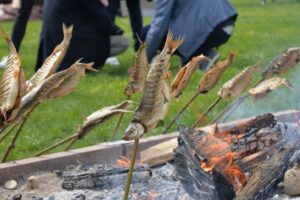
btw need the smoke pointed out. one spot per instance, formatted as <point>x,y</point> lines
<point>282,98</point>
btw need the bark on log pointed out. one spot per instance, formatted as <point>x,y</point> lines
<point>264,177</point>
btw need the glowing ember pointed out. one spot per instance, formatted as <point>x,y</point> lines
<point>125,162</point>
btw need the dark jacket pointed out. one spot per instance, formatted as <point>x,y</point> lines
<point>92,28</point>
<point>192,19</point>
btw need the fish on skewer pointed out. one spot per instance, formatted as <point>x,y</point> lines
<point>231,89</point>
<point>55,86</point>
<point>51,64</point>
<point>101,116</point>
<point>283,63</point>
<point>267,86</point>
<point>239,83</point>
<point>211,78</point>
<point>153,100</point>
<point>12,86</point>
<point>184,75</point>
<point>138,71</point>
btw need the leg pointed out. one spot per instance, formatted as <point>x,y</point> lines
<point>219,36</point>
<point>112,9</point>
<point>136,20</point>
<point>21,22</point>
<point>118,44</point>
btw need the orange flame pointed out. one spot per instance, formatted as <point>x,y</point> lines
<point>224,164</point>
<point>125,162</point>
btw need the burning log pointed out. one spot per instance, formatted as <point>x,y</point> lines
<point>265,176</point>
<point>103,178</point>
<point>233,152</point>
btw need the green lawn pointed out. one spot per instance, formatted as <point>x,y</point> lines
<point>261,33</point>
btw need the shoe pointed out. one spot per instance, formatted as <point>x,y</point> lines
<point>112,61</point>
<point>213,56</point>
<point>3,62</point>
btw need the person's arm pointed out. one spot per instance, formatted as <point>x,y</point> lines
<point>100,15</point>
<point>159,26</point>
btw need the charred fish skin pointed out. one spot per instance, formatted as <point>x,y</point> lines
<point>51,64</point>
<point>269,85</point>
<point>102,115</point>
<point>149,111</point>
<point>211,78</point>
<point>283,63</point>
<point>184,75</point>
<point>12,86</point>
<point>239,83</point>
<point>139,70</point>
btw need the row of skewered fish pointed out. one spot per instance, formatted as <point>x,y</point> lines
<point>44,85</point>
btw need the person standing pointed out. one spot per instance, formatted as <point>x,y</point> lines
<point>20,24</point>
<point>91,33</point>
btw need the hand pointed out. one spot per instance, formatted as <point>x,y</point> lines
<point>105,3</point>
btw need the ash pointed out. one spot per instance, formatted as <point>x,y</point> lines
<point>162,185</point>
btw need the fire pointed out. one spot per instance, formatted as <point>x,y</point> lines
<point>228,168</point>
<point>125,162</point>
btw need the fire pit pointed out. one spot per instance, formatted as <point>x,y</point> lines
<point>245,159</point>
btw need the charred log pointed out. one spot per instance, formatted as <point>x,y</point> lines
<point>105,178</point>
<point>265,176</point>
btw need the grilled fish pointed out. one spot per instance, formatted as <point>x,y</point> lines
<point>267,86</point>
<point>152,105</point>
<point>101,116</point>
<point>138,71</point>
<point>51,64</point>
<point>283,63</point>
<point>55,86</point>
<point>211,78</point>
<point>12,86</point>
<point>239,83</point>
<point>184,75</point>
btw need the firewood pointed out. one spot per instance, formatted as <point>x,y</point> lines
<point>159,153</point>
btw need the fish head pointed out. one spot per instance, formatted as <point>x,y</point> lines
<point>135,130</point>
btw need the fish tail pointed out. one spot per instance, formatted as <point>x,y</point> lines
<point>171,45</point>
<point>142,44</point>
<point>67,32</point>
<point>8,40</point>
<point>89,66</point>
<point>231,55</point>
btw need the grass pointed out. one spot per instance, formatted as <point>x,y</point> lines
<point>261,33</point>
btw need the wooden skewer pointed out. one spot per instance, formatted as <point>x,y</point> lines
<point>181,111</point>
<point>55,145</point>
<point>119,121</point>
<point>12,144</point>
<point>8,132</point>
<point>71,144</point>
<point>198,121</point>
<point>128,183</point>
<point>234,103</point>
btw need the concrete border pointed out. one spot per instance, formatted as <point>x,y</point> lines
<point>105,152</point>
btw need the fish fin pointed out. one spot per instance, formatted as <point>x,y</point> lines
<point>232,54</point>
<point>88,66</point>
<point>83,117</point>
<point>171,45</point>
<point>8,40</point>
<point>199,58</point>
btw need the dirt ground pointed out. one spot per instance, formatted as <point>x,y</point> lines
<point>48,183</point>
